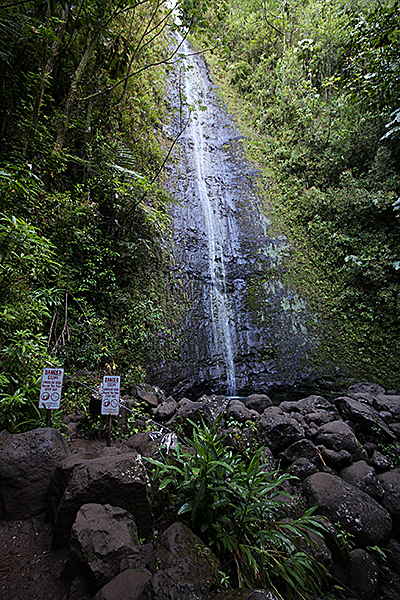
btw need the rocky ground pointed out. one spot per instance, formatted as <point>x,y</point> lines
<point>30,569</point>
<point>76,520</point>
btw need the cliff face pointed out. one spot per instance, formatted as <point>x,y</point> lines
<point>243,330</point>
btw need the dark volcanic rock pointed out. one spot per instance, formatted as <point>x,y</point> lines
<point>365,416</point>
<point>116,479</point>
<point>302,468</point>
<point>238,411</point>
<point>388,403</point>
<point>166,410</point>
<point>336,458</point>
<point>27,464</point>
<point>258,402</point>
<point>379,461</point>
<point>277,430</point>
<point>311,404</point>
<point>357,512</point>
<point>373,389</point>
<point>337,436</point>
<point>105,539</point>
<point>184,569</point>
<point>132,584</point>
<point>390,482</point>
<point>363,476</point>
<point>303,449</point>
<point>198,412</point>
<point>393,555</point>
<point>363,572</point>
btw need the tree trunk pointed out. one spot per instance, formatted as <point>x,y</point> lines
<point>73,90</point>
<point>47,70</point>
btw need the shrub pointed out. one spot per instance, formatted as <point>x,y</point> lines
<point>238,507</point>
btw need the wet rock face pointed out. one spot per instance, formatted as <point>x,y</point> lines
<point>243,331</point>
<point>132,584</point>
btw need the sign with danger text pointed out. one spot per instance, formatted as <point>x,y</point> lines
<point>50,388</point>
<point>110,399</point>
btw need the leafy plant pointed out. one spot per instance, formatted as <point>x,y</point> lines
<point>240,509</point>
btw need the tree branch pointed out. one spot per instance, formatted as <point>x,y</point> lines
<point>10,4</point>
<point>136,204</point>
<point>165,61</point>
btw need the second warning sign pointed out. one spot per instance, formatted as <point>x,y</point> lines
<point>110,398</point>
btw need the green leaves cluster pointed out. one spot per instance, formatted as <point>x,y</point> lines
<point>241,510</point>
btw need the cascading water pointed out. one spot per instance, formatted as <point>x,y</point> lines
<point>221,316</point>
<point>243,330</point>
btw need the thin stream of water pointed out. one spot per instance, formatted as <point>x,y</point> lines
<point>220,310</point>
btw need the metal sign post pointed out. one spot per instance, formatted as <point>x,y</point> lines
<point>50,391</point>
<point>110,400</point>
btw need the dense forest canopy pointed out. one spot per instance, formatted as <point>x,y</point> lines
<point>84,254</point>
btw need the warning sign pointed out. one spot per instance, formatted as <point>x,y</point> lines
<point>110,399</point>
<point>50,388</point>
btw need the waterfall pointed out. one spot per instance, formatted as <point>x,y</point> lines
<point>221,314</point>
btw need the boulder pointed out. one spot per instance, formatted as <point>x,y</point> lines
<point>320,417</point>
<point>338,444</point>
<point>357,512</point>
<point>392,552</point>
<point>146,443</point>
<point>27,464</point>
<point>373,389</point>
<point>277,430</point>
<point>117,479</point>
<point>105,539</point>
<point>132,584</point>
<point>383,402</point>
<point>311,404</point>
<point>258,402</point>
<point>151,395</point>
<point>302,468</point>
<point>184,569</point>
<point>336,458</point>
<point>215,404</point>
<point>166,410</point>
<point>365,416</point>
<point>303,449</point>
<point>363,571</point>
<point>238,411</point>
<point>363,476</point>
<point>379,461</point>
<point>390,482</point>
<point>197,412</point>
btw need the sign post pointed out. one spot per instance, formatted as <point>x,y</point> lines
<point>110,400</point>
<point>50,391</point>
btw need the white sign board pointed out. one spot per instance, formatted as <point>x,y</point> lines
<point>50,389</point>
<point>110,399</point>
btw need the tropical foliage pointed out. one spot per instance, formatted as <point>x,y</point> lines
<point>241,510</point>
<point>82,210</point>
